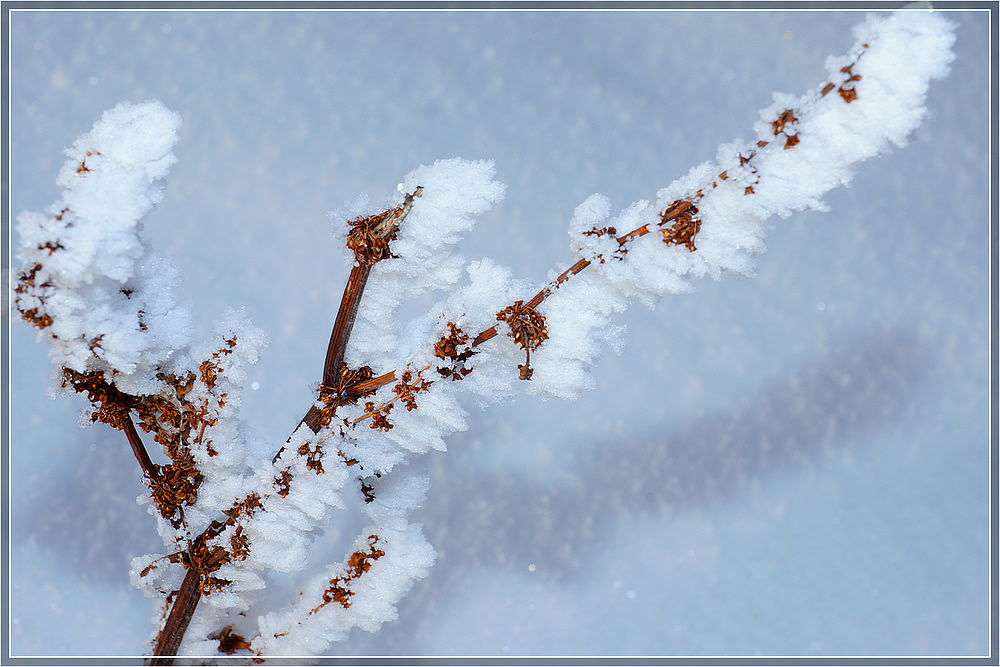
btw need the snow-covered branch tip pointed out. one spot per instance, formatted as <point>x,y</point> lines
<point>389,389</point>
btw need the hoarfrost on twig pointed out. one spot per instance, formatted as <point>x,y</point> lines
<point>227,516</point>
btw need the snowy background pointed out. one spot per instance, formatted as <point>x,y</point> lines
<point>792,464</point>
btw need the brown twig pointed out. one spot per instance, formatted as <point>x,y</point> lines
<point>148,469</point>
<point>369,241</point>
<point>169,639</point>
<point>344,323</point>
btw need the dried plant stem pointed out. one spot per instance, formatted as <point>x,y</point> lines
<point>173,630</point>
<point>344,323</point>
<point>369,240</point>
<point>170,637</point>
<point>543,293</point>
<point>339,337</point>
<point>370,385</point>
<point>148,469</point>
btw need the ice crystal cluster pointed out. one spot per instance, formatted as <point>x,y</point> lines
<point>102,299</point>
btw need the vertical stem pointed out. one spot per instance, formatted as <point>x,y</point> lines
<point>344,323</point>
<point>177,623</point>
<point>384,228</point>
<point>339,337</point>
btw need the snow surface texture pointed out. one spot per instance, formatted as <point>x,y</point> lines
<point>565,375</point>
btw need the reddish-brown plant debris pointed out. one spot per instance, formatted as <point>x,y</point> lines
<point>347,461</point>
<point>527,329</point>
<point>201,559</point>
<point>209,369</point>
<point>370,235</point>
<point>348,389</point>
<point>781,126</point>
<point>408,387</point>
<point>369,238</point>
<point>51,247</point>
<point>686,224</point>
<point>606,231</point>
<point>454,348</point>
<point>314,457</point>
<point>94,344</point>
<point>846,89</point>
<point>359,562</point>
<point>239,544</point>
<point>176,424</point>
<point>367,490</point>
<point>778,124</point>
<point>379,415</point>
<point>175,487</point>
<point>26,285</point>
<point>34,319</point>
<point>282,483</point>
<point>82,167</point>
<point>229,641</point>
<point>603,231</point>
<point>205,560</point>
<point>244,508</point>
<point>26,279</point>
<point>112,405</point>
<point>349,378</point>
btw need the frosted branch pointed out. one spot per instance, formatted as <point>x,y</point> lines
<point>389,389</point>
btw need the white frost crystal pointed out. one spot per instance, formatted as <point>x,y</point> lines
<point>107,297</point>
